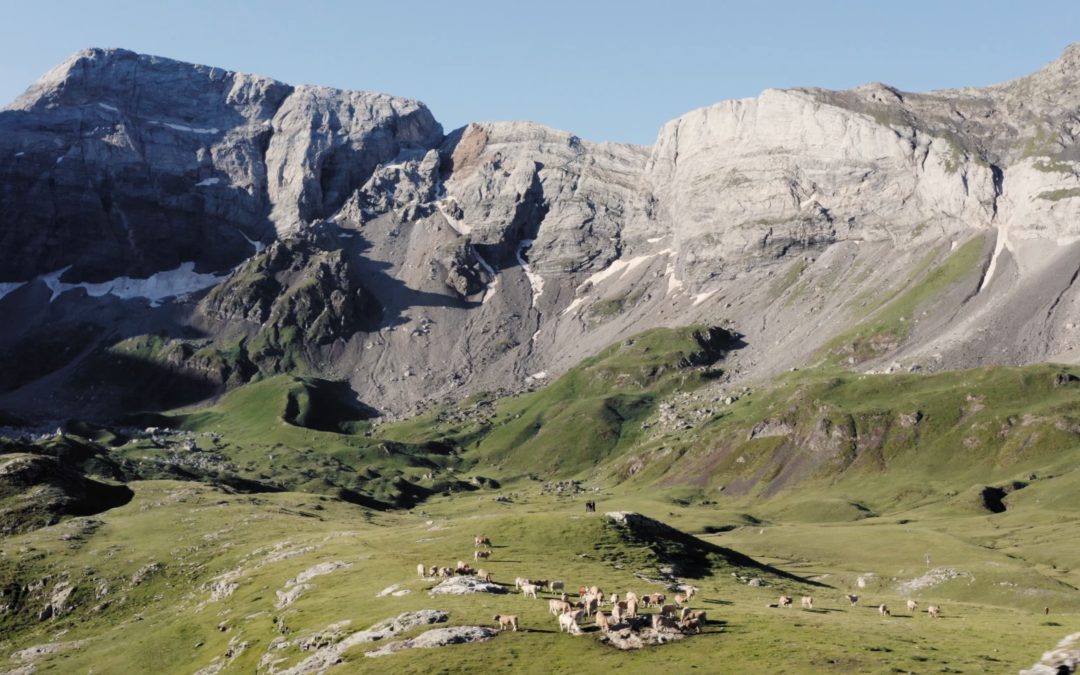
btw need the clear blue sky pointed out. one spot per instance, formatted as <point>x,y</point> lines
<point>603,70</point>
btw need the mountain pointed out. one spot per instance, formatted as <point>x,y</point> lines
<point>267,348</point>
<point>184,229</point>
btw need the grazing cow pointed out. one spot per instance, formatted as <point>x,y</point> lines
<point>433,571</point>
<point>582,590</point>
<point>631,606</point>
<point>669,610</point>
<point>786,601</point>
<point>934,611</point>
<point>691,591</point>
<point>477,555</point>
<point>616,613</point>
<point>483,575</point>
<point>529,590</point>
<point>912,605</point>
<point>557,586</point>
<point>480,540</point>
<point>569,623</point>
<point>602,622</point>
<point>654,599</point>
<point>420,570</point>
<point>446,572</point>
<point>507,621</point>
<point>591,603</point>
<point>557,607</point>
<point>680,600</point>
<point>590,507</point>
<point>807,602</point>
<point>853,599</point>
<point>883,610</point>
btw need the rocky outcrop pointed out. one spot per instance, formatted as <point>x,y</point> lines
<point>299,294</point>
<point>437,637</point>
<point>118,163</point>
<point>466,586</point>
<point>37,490</point>
<point>332,642</point>
<point>1063,659</point>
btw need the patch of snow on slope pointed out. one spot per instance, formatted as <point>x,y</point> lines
<point>999,246</point>
<point>208,181</point>
<point>674,283</point>
<point>184,127</point>
<point>702,297</point>
<point>155,288</point>
<point>535,280</point>
<point>620,267</point>
<point>441,201</point>
<point>257,245</point>
<point>108,107</point>
<point>574,305</point>
<point>9,286</point>
<point>489,292</point>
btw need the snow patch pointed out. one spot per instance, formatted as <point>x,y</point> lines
<point>257,245</point>
<point>207,182</point>
<point>535,280</point>
<point>184,127</point>
<point>19,154</point>
<point>702,297</point>
<point>106,106</point>
<point>155,288</point>
<point>574,305</point>
<point>653,240</point>
<point>542,375</point>
<point>999,246</point>
<point>674,283</point>
<point>620,267</point>
<point>9,286</point>
<point>59,159</point>
<point>490,291</point>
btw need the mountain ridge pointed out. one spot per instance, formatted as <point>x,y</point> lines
<point>504,250</point>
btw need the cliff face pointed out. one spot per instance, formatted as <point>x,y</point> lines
<point>121,164</point>
<point>421,264</point>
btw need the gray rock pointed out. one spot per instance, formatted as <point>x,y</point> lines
<point>37,651</point>
<point>331,645</point>
<point>437,637</point>
<point>1061,660</point>
<point>465,586</point>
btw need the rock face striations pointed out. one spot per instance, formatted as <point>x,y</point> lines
<point>252,226</point>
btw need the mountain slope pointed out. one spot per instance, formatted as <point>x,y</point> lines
<point>141,194</point>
